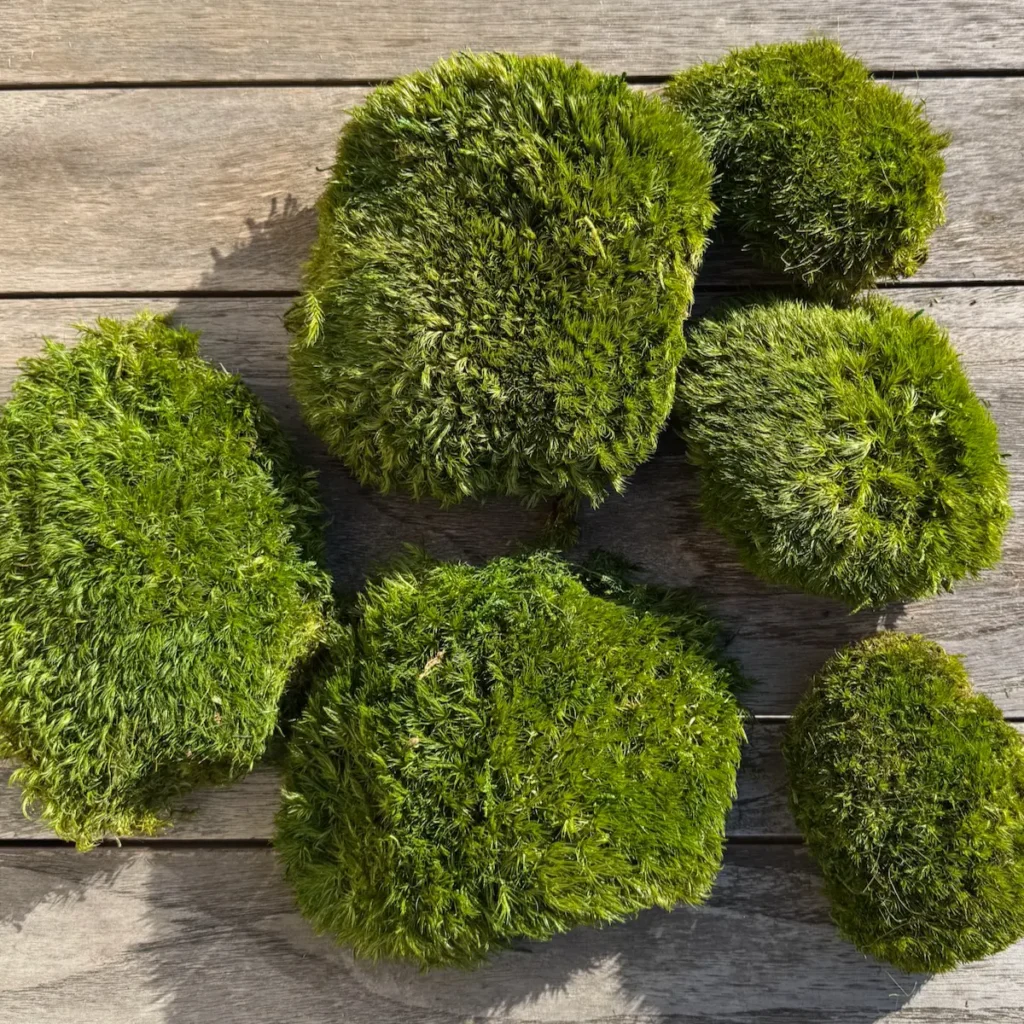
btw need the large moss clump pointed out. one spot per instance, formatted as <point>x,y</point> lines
<point>910,792</point>
<point>498,752</point>
<point>843,451</point>
<point>494,303</point>
<point>153,595</point>
<point>824,174</point>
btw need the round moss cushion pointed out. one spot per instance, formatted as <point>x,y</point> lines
<point>824,174</point>
<point>494,302</point>
<point>153,595</point>
<point>843,450</point>
<point>910,791</point>
<point>496,753</point>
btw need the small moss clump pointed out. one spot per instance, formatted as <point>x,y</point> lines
<point>499,753</point>
<point>154,599</point>
<point>494,303</point>
<point>824,174</point>
<point>843,451</point>
<point>910,791</point>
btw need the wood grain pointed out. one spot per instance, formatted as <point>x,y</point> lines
<point>169,190</point>
<point>174,190</point>
<point>780,637</point>
<point>151,40</point>
<point>190,936</point>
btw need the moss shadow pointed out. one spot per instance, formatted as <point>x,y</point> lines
<point>365,529</point>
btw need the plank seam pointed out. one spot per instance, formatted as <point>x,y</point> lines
<point>967,282</point>
<point>887,74</point>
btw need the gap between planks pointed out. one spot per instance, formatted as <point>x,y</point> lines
<point>654,80</point>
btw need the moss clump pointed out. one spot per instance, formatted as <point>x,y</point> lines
<point>499,753</point>
<point>824,174</point>
<point>153,597</point>
<point>506,252</point>
<point>843,451</point>
<point>910,791</point>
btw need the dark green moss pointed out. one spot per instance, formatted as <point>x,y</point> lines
<point>824,174</point>
<point>506,253</point>
<point>843,451</point>
<point>153,595</point>
<point>910,792</point>
<point>499,753</point>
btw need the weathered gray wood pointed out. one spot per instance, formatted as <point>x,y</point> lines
<point>243,811</point>
<point>179,189</point>
<point>163,189</point>
<point>173,190</point>
<point>780,637</point>
<point>193,936</point>
<point>147,40</point>
<point>246,811</point>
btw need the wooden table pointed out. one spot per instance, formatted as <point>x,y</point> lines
<point>166,153</point>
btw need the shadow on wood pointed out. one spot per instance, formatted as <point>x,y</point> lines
<point>364,529</point>
<point>780,637</point>
<point>30,893</point>
<point>763,949</point>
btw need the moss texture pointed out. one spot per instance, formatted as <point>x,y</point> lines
<point>824,174</point>
<point>498,753</point>
<point>910,791</point>
<point>843,451</point>
<point>506,253</point>
<point>153,596</point>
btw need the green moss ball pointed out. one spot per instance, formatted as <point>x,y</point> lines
<point>910,792</point>
<point>824,174</point>
<point>843,451</point>
<point>499,753</point>
<point>506,253</point>
<point>153,596</point>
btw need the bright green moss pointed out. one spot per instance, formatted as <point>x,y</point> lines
<point>910,792</point>
<point>843,451</point>
<point>824,174</point>
<point>494,303</point>
<point>499,753</point>
<point>153,597</point>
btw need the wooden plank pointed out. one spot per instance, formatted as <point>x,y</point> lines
<point>180,189</point>
<point>780,637</point>
<point>165,190</point>
<point>199,935</point>
<point>246,811</point>
<point>242,812</point>
<point>148,40</point>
